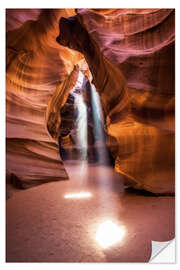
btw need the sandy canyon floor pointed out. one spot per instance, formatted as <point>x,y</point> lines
<point>45,226</point>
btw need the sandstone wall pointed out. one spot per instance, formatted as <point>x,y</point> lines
<point>130,53</point>
<point>39,74</point>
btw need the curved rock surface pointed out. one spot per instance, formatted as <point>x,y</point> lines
<point>130,53</point>
<point>40,74</point>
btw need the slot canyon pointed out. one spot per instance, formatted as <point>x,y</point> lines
<point>90,134</point>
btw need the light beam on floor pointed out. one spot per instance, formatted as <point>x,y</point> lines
<point>79,195</point>
<point>109,234</point>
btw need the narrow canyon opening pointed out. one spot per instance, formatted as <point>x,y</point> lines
<point>82,135</point>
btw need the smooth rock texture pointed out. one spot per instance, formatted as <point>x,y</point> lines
<point>130,53</point>
<point>40,74</point>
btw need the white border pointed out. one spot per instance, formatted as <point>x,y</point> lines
<point>77,4</point>
<point>90,4</point>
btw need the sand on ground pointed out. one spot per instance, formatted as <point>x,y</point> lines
<point>43,226</point>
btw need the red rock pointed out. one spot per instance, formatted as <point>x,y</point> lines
<point>130,54</point>
<point>39,76</point>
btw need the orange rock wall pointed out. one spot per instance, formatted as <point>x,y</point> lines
<point>39,75</point>
<point>140,43</point>
<point>130,53</point>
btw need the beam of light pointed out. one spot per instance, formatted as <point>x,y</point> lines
<point>97,103</point>
<point>98,126</point>
<point>79,195</point>
<point>104,172</point>
<point>109,234</point>
<point>81,119</point>
<point>81,126</point>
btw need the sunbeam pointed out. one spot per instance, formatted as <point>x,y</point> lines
<point>80,105</point>
<point>98,126</point>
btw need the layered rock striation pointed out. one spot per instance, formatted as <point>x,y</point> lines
<point>130,53</point>
<point>39,76</point>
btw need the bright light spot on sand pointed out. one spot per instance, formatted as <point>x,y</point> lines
<point>79,195</point>
<point>109,234</point>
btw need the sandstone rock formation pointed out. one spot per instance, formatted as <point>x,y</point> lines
<point>40,74</point>
<point>130,53</point>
